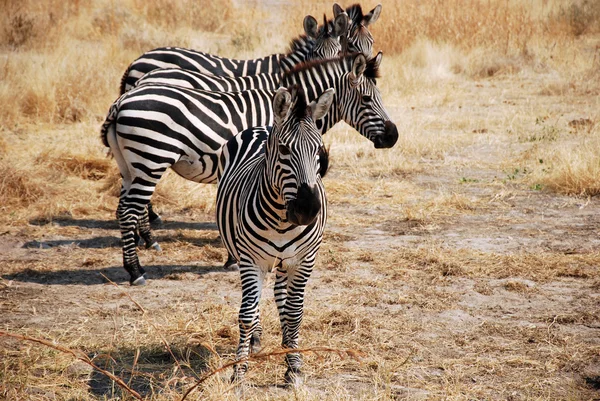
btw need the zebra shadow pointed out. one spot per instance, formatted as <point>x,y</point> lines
<point>150,370</point>
<point>115,242</point>
<point>90,276</point>
<point>114,225</point>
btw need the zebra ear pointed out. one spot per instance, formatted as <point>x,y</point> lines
<point>310,26</point>
<point>359,65</point>
<point>340,25</point>
<point>337,9</point>
<point>377,61</point>
<point>320,106</point>
<point>372,16</point>
<point>281,104</point>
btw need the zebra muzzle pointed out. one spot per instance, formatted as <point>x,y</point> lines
<point>388,138</point>
<point>304,210</point>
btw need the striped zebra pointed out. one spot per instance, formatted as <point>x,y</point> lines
<point>358,37</point>
<point>271,212</point>
<point>316,44</point>
<point>154,127</point>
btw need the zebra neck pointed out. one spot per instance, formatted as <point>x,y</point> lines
<point>301,50</point>
<point>270,199</point>
<point>317,80</point>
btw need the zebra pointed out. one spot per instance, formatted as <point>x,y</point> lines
<point>271,213</point>
<point>154,127</point>
<point>358,37</point>
<point>316,43</point>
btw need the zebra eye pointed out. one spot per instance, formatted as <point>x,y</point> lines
<point>367,98</point>
<point>284,150</point>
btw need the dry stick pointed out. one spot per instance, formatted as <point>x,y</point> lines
<point>125,292</point>
<point>262,356</point>
<point>77,354</point>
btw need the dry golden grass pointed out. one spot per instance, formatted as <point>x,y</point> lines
<point>462,262</point>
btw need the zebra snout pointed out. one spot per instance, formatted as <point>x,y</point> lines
<point>389,137</point>
<point>303,210</point>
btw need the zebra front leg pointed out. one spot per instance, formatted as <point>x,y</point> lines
<point>290,316</point>
<point>249,321</point>
<point>128,221</point>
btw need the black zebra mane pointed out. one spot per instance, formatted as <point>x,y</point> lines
<point>300,105</point>
<point>355,13</point>
<point>298,43</point>
<point>372,70</point>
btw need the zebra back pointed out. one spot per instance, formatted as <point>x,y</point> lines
<point>196,80</point>
<point>316,43</point>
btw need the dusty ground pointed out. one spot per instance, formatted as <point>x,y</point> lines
<point>454,276</point>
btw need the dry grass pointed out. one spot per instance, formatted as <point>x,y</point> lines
<point>462,262</point>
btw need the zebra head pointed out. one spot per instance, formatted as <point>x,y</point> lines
<point>295,152</point>
<point>361,105</point>
<point>327,37</point>
<point>358,39</point>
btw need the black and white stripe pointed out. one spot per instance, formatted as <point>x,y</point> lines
<point>358,38</point>
<point>271,213</point>
<point>316,44</point>
<point>154,127</point>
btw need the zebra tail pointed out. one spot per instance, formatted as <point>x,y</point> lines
<point>108,123</point>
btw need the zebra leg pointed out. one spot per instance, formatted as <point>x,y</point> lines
<point>154,218</point>
<point>252,281</point>
<point>145,231</point>
<point>128,220</point>
<point>255,343</point>
<point>291,309</point>
<point>231,263</point>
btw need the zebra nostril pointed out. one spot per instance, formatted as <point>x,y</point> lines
<point>389,137</point>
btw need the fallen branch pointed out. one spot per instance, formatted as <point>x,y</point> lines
<point>77,354</point>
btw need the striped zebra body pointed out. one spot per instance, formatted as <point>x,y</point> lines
<point>154,127</point>
<point>196,80</point>
<point>271,213</point>
<point>317,44</point>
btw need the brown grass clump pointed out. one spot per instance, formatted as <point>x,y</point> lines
<point>18,188</point>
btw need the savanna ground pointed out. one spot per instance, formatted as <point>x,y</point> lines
<point>461,264</point>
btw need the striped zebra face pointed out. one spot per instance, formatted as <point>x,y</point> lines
<point>362,106</point>
<point>327,37</point>
<point>359,39</point>
<point>295,153</point>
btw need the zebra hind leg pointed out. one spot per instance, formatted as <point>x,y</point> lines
<point>146,232</point>
<point>128,219</point>
<point>155,220</point>
<point>231,263</point>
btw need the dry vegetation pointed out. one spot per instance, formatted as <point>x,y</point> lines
<point>462,264</point>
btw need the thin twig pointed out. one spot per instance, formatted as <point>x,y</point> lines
<point>262,356</point>
<point>77,354</point>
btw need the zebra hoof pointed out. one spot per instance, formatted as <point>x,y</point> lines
<point>141,280</point>
<point>294,377</point>
<point>255,345</point>
<point>231,265</point>
<point>155,246</point>
<point>156,222</point>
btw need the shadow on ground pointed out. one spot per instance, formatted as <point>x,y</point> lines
<point>149,370</point>
<point>113,224</point>
<point>116,274</point>
<point>115,242</point>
